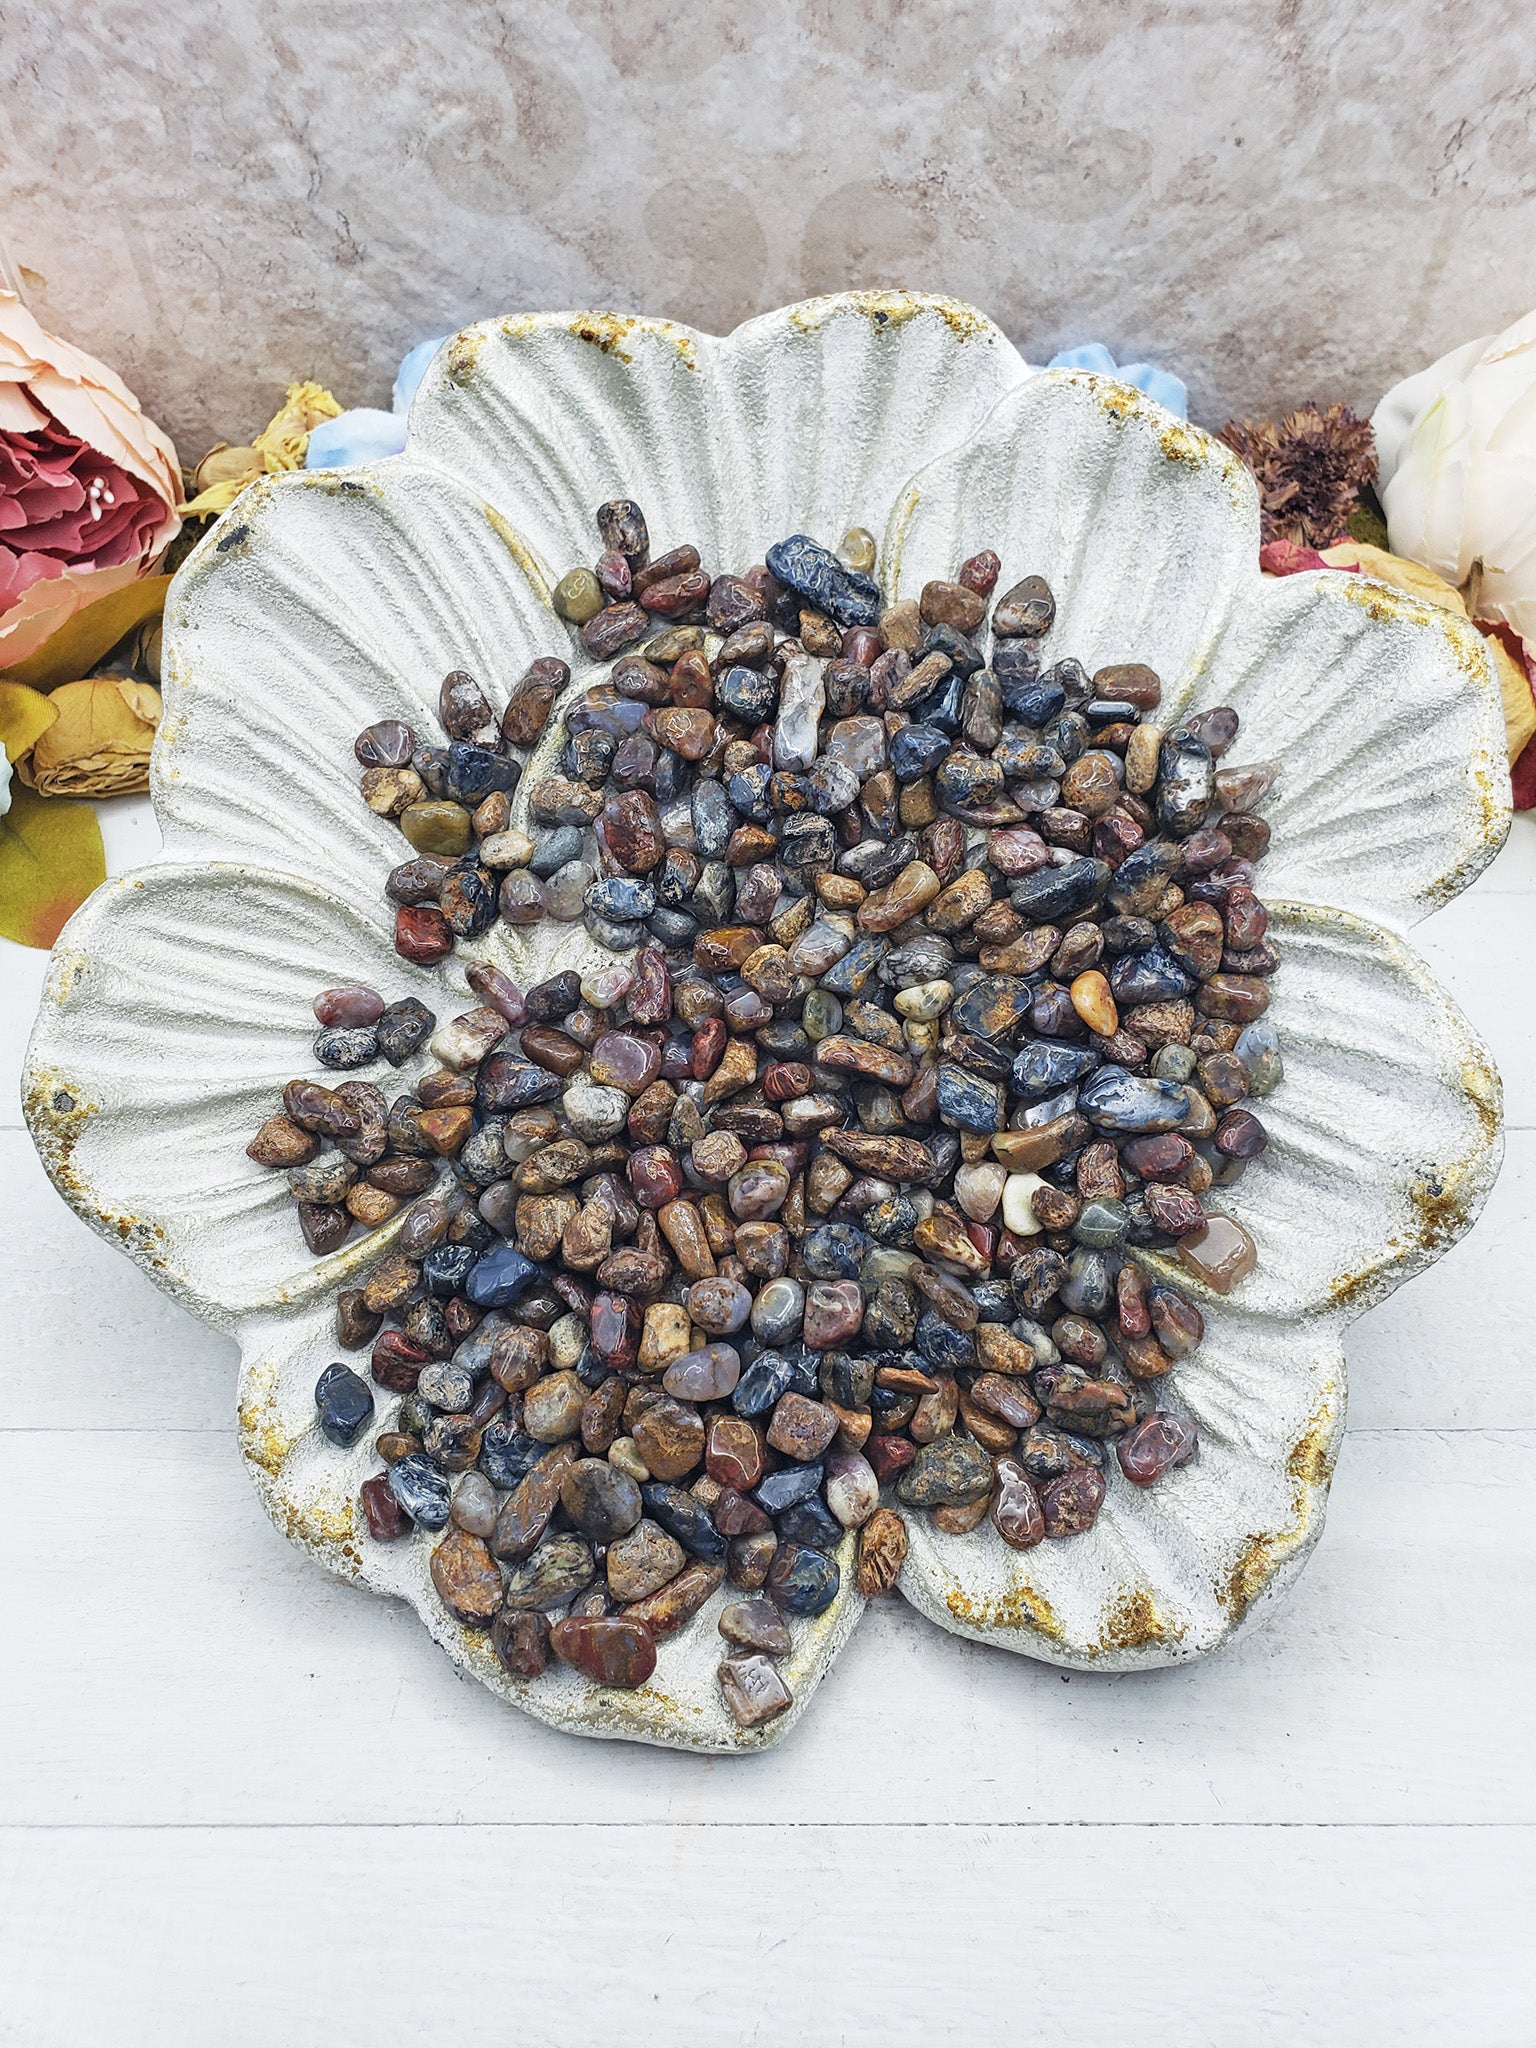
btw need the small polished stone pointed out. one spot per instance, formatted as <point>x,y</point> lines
<point>1070,1504</point>
<point>1220,1252</point>
<point>708,1375</point>
<point>554,1573</point>
<point>670,1438</point>
<point>421,1490</point>
<point>642,1561</point>
<point>609,1650</point>
<point>1156,1446</point>
<point>950,1473</point>
<point>801,1580</point>
<point>801,1428</point>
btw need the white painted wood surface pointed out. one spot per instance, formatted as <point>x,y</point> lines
<point>243,1804</point>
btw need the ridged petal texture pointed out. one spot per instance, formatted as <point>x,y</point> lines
<point>178,1000</point>
<point>807,420</point>
<point>1381,711</point>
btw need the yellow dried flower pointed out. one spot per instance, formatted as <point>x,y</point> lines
<point>99,743</point>
<point>224,472</point>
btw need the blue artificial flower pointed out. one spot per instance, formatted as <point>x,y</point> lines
<point>363,433</point>
<point>1162,385</point>
<point>412,370</point>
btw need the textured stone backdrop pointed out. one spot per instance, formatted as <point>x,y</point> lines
<point>1275,200</point>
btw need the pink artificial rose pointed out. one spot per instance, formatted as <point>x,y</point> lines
<point>88,486</point>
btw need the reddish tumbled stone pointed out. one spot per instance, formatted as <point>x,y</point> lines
<point>466,1577</point>
<point>1015,1509</point>
<point>1172,1209</point>
<point>709,1043</point>
<point>609,1649</point>
<point>617,1320</point>
<point>386,1519</point>
<point>520,1639</point>
<point>655,1175</point>
<point>889,1455</point>
<point>834,1310</point>
<point>422,935</point>
<point>630,828</point>
<point>801,1428</point>
<point>734,1455</point>
<point>396,1362</point>
<point>650,994</point>
<point>1178,1323</point>
<point>736,1516</point>
<point>1239,1135</point>
<point>1070,1504</point>
<point>1156,1446</point>
<point>621,1060</point>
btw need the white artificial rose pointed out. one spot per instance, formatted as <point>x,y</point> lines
<point>1457,444</point>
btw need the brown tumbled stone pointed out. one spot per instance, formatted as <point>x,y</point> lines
<point>882,1552</point>
<point>466,1577</point>
<point>610,1650</point>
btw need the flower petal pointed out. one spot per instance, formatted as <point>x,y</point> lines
<point>1383,712</point>
<point>1168,1572</point>
<point>1145,528</point>
<point>806,420</point>
<point>1384,1142</point>
<point>1384,1135</point>
<point>177,1006</point>
<point>310,1490</point>
<point>323,603</point>
<point>1385,716</point>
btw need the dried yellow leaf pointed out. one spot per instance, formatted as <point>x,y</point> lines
<point>99,745</point>
<point>24,716</point>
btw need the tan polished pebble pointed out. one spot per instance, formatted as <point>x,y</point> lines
<point>1000,1351</point>
<point>1220,1254</point>
<point>882,1552</point>
<point>1095,1004</point>
<point>552,1407</point>
<point>913,890</point>
<point>979,1189</point>
<point>467,1579</point>
<point>668,1609</point>
<point>642,1562</point>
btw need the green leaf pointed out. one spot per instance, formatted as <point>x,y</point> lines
<point>50,860</point>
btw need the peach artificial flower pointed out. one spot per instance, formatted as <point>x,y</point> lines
<point>89,488</point>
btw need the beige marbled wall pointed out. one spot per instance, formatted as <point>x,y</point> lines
<point>1276,200</point>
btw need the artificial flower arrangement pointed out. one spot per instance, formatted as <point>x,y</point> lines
<point>1436,494</point>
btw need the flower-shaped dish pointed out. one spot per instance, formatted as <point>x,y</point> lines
<point>178,1000</point>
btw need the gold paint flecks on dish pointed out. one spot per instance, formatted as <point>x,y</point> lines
<point>521,553</point>
<point>1134,1621</point>
<point>1023,1608</point>
<point>1309,1467</point>
<point>264,1439</point>
<point>886,311</point>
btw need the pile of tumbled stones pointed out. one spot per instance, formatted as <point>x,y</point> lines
<point>947,995</point>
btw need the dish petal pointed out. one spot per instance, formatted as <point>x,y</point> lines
<point>1384,1142</point>
<point>322,602</point>
<point>310,1490</point>
<point>1385,1134</point>
<point>177,1006</point>
<point>1383,712</point>
<point>1072,470</point>
<point>808,419</point>
<point>1385,716</point>
<point>1169,1573</point>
